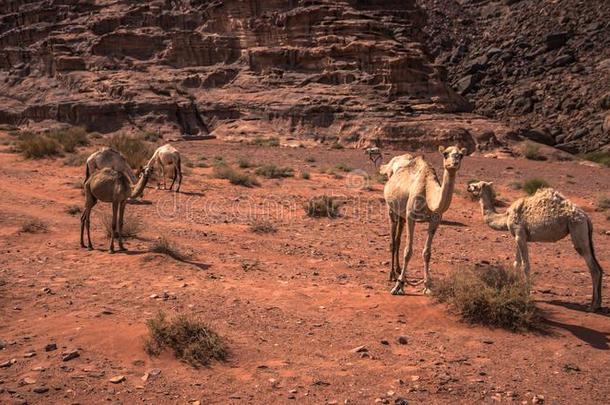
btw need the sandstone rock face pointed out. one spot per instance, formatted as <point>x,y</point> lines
<point>355,70</point>
<point>538,64</point>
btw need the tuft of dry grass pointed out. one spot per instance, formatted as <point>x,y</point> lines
<point>532,185</point>
<point>244,163</point>
<point>34,146</point>
<point>343,167</point>
<point>489,295</point>
<point>191,339</point>
<point>336,145</point>
<point>77,159</point>
<point>262,226</point>
<point>70,138</point>
<point>260,141</point>
<point>73,210</point>
<point>166,247</point>
<point>601,157</point>
<point>532,151</point>
<point>603,203</point>
<point>135,150</point>
<point>322,206</point>
<point>223,171</point>
<point>34,226</point>
<point>132,224</point>
<point>272,171</point>
<point>305,175</point>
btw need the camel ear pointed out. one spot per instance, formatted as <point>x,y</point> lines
<point>463,151</point>
<point>441,148</point>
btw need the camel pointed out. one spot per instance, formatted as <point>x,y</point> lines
<point>167,157</point>
<point>547,216</point>
<point>394,164</point>
<point>108,157</point>
<point>109,185</point>
<point>413,194</point>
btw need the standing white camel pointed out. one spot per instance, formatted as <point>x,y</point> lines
<point>413,194</point>
<point>547,216</point>
<point>167,158</point>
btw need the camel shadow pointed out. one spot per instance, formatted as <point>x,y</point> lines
<point>452,223</point>
<point>139,202</point>
<point>578,307</point>
<point>596,339</point>
<point>194,193</point>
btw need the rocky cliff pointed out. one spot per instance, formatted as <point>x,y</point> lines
<point>354,70</point>
<point>542,65</point>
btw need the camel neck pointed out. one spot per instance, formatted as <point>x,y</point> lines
<point>438,196</point>
<point>139,187</point>
<point>492,218</point>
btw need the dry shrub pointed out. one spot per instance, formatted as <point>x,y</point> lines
<point>224,171</point>
<point>603,203</point>
<point>601,157</point>
<point>33,146</point>
<point>191,339</point>
<point>322,206</point>
<point>34,226</point>
<point>532,151</point>
<point>135,150</point>
<point>73,210</point>
<point>489,295</point>
<point>132,224</point>
<point>259,141</point>
<point>532,185</point>
<point>167,247</point>
<point>305,175</point>
<point>262,226</point>
<point>343,167</point>
<point>70,138</point>
<point>244,163</point>
<point>272,171</point>
<point>77,159</point>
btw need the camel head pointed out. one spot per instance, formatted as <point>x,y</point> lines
<point>452,157</point>
<point>477,188</point>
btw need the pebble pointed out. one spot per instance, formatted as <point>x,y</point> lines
<point>401,401</point>
<point>67,356</point>
<point>402,340</point>
<point>538,399</point>
<point>50,347</point>
<point>40,390</point>
<point>384,342</point>
<point>117,379</point>
<point>28,381</point>
<point>360,349</point>
<point>29,354</point>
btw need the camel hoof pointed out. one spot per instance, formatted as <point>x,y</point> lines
<point>89,247</point>
<point>426,291</point>
<point>397,290</point>
<point>122,249</point>
<point>111,251</point>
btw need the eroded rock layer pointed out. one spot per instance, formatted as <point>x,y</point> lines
<point>321,70</point>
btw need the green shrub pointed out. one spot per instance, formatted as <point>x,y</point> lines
<point>272,171</point>
<point>322,206</point>
<point>244,163</point>
<point>135,150</point>
<point>224,171</point>
<point>191,339</point>
<point>601,157</point>
<point>532,185</point>
<point>489,295</point>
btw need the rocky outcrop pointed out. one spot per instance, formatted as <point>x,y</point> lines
<point>541,65</point>
<point>356,71</point>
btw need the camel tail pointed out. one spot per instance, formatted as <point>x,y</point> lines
<point>87,174</point>
<point>590,226</point>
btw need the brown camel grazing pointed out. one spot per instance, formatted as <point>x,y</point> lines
<point>413,194</point>
<point>108,185</point>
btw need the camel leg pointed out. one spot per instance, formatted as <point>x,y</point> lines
<point>523,253</point>
<point>582,234</point>
<point>518,262</point>
<point>162,170</point>
<point>393,225</point>
<point>398,239</point>
<point>85,220</point>
<point>398,288</point>
<point>427,253</point>
<point>179,169</point>
<point>115,209</point>
<point>120,227</point>
<point>175,174</point>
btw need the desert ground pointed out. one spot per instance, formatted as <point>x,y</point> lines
<point>292,305</point>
